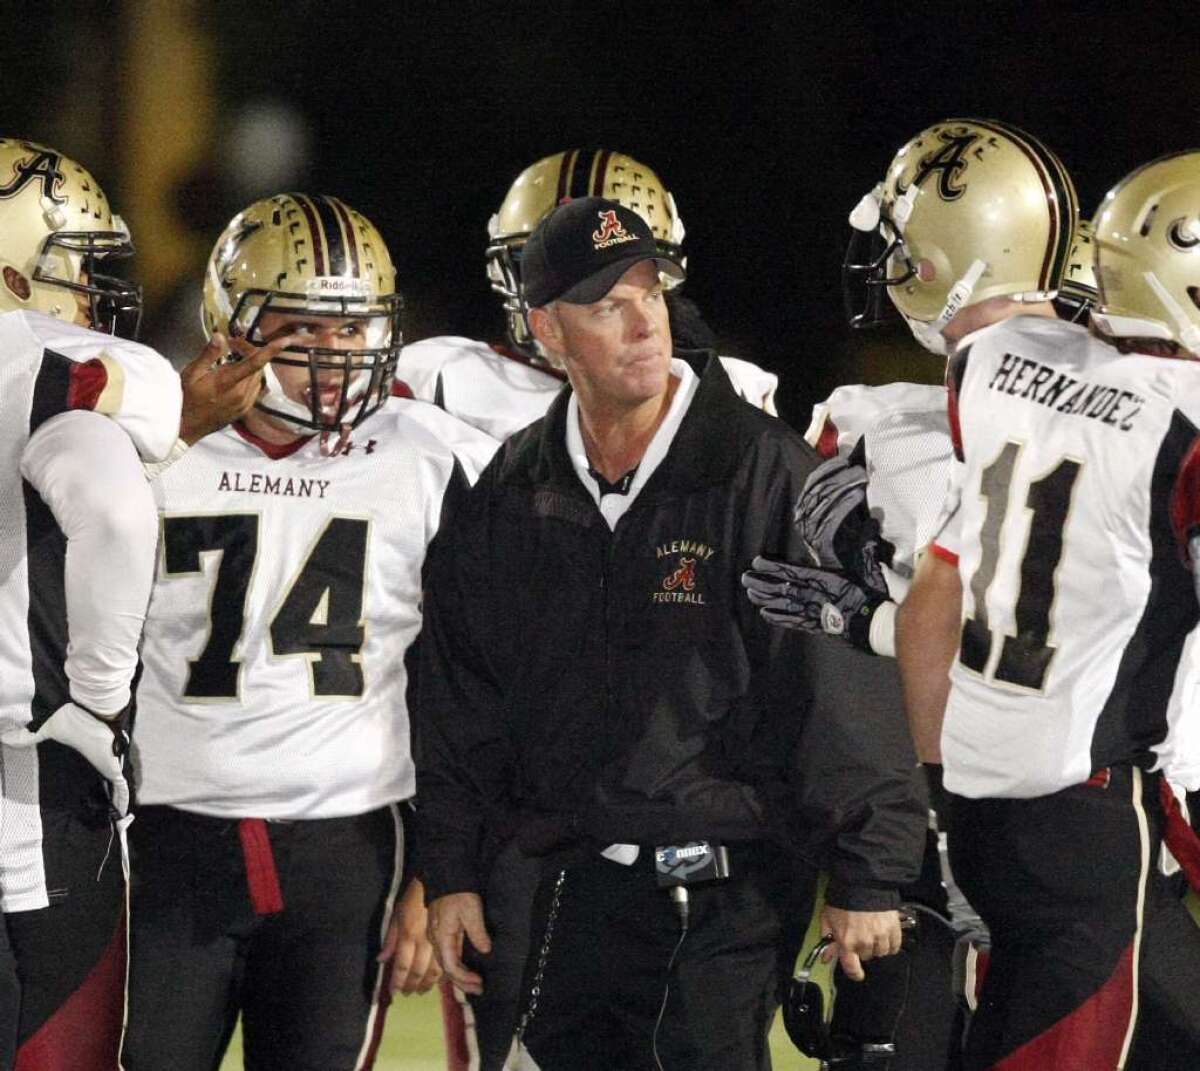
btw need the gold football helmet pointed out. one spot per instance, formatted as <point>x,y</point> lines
<point>970,209</point>
<point>1077,290</point>
<point>1148,253</point>
<point>541,186</point>
<point>56,228</point>
<point>309,256</point>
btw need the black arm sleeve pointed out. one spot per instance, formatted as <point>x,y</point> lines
<point>461,748</point>
<point>856,804</point>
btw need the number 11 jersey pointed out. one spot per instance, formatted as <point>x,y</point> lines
<point>288,590</point>
<point>1078,497</point>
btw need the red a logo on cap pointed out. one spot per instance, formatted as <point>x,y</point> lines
<point>610,227</point>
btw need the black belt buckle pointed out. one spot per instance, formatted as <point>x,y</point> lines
<point>689,863</point>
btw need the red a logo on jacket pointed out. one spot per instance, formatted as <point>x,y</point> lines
<point>684,577</point>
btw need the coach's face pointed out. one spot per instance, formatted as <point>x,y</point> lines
<point>616,351</point>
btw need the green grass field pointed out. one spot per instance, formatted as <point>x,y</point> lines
<point>413,1041</point>
<point>413,1036</point>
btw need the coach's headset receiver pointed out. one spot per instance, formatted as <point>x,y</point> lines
<point>676,866</point>
<point>805,1020</point>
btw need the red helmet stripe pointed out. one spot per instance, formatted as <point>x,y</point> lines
<point>600,173</point>
<point>348,232</point>
<point>581,175</point>
<point>564,174</point>
<point>314,230</point>
<point>333,235</point>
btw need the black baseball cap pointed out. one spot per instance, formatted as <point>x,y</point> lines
<point>580,250</point>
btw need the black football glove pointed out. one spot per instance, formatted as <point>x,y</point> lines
<point>812,600</point>
<point>836,527</point>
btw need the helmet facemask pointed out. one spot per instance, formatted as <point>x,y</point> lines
<point>344,386</point>
<point>504,275</point>
<point>876,258</point>
<point>115,305</point>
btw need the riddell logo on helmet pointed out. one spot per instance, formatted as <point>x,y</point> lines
<point>611,231</point>
<point>334,284</point>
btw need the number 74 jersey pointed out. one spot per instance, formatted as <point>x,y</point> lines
<point>1077,499</point>
<point>287,592</point>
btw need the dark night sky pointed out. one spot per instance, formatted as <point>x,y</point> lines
<point>766,120</point>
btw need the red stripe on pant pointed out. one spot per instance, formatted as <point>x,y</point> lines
<point>454,1021</point>
<point>383,998</point>
<point>84,1034</point>
<point>1092,1036</point>
<point>1180,837</point>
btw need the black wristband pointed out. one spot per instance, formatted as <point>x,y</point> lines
<point>858,628</point>
<point>937,793</point>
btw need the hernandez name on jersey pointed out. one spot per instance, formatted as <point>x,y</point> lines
<point>905,437</point>
<point>51,367</point>
<point>1080,490</point>
<point>287,593</point>
<point>501,392</point>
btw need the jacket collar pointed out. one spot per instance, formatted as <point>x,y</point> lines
<point>706,448</point>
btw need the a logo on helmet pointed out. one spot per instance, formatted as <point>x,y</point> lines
<point>611,231</point>
<point>947,162</point>
<point>1183,234</point>
<point>43,167</point>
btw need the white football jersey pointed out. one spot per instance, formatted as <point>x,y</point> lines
<point>496,391</point>
<point>49,368</point>
<point>907,454</point>
<point>500,392</point>
<point>288,592</point>
<point>1078,604</point>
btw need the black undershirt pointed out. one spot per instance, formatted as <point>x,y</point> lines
<point>619,487</point>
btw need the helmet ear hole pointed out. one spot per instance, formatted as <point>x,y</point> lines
<point>17,284</point>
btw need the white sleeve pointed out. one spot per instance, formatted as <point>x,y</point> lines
<point>946,532</point>
<point>88,473</point>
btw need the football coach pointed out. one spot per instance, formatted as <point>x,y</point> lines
<point>594,682</point>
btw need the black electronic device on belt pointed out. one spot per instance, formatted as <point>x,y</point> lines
<point>687,864</point>
<point>676,866</point>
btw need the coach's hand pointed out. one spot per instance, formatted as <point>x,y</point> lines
<point>102,741</point>
<point>414,968</point>
<point>451,918</point>
<point>859,936</point>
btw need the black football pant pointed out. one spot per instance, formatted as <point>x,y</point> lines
<point>1069,888</point>
<point>305,979</point>
<point>602,978</point>
<point>62,967</point>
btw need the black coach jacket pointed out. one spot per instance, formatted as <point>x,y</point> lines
<point>622,680</point>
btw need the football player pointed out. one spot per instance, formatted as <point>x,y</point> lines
<point>84,410</point>
<point>500,389</point>
<point>1048,646</point>
<point>273,738</point>
<point>974,221</point>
